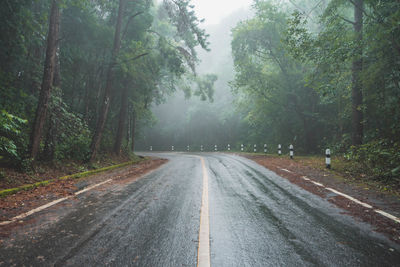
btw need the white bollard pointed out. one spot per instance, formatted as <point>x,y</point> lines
<point>255,148</point>
<point>172,148</point>
<point>241,147</point>
<point>151,148</point>
<point>265,148</point>
<point>201,148</point>
<point>215,148</point>
<point>188,148</point>
<point>291,151</point>
<point>229,147</point>
<point>328,158</point>
<point>279,149</point>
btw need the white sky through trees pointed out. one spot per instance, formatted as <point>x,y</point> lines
<point>215,10</point>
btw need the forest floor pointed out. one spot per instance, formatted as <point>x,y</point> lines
<point>370,192</point>
<point>41,171</point>
<point>25,200</point>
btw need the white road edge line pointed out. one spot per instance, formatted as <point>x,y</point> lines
<point>286,170</point>
<point>45,206</point>
<point>316,183</point>
<point>381,212</point>
<point>390,216</point>
<point>349,197</point>
<point>203,253</point>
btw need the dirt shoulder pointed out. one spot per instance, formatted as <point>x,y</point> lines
<point>296,170</point>
<point>23,201</point>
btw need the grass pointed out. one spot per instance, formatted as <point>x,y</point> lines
<point>11,191</point>
<point>342,169</point>
<point>351,172</point>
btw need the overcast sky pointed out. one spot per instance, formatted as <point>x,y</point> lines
<point>215,10</point>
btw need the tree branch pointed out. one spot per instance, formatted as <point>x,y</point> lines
<point>349,21</point>
<point>128,22</point>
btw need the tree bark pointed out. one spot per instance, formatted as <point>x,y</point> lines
<point>49,65</point>
<point>107,92</point>
<point>122,121</point>
<point>357,67</point>
<point>52,131</point>
<point>133,130</point>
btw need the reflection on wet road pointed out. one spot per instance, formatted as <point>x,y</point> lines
<point>256,218</point>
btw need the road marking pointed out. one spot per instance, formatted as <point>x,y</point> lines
<point>390,216</point>
<point>203,253</point>
<point>314,182</point>
<point>381,212</point>
<point>349,197</point>
<point>286,170</point>
<point>91,187</point>
<point>45,206</point>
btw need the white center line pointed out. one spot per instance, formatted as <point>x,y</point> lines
<point>203,254</point>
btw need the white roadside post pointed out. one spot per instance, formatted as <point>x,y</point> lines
<point>255,148</point>
<point>291,151</point>
<point>215,148</point>
<point>241,147</point>
<point>265,148</point>
<point>201,148</point>
<point>151,148</point>
<point>229,147</point>
<point>172,148</point>
<point>279,149</point>
<point>328,158</point>
<point>188,148</point>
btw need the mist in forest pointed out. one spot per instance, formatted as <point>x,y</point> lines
<point>186,119</point>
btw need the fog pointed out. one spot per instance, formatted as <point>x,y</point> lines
<point>182,121</point>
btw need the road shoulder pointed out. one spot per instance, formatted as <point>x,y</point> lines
<point>325,184</point>
<point>25,201</point>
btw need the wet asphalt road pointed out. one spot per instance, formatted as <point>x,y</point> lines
<point>256,219</point>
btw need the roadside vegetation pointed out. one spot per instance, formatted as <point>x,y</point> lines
<point>78,77</point>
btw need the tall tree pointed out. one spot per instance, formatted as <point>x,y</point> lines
<point>357,67</point>
<point>47,81</point>
<point>107,92</point>
<point>121,121</point>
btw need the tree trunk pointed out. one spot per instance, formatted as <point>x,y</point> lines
<point>40,116</point>
<point>107,92</point>
<point>122,121</point>
<point>52,132</point>
<point>357,66</point>
<point>133,130</point>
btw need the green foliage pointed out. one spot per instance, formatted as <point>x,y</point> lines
<point>11,138</point>
<point>377,159</point>
<point>69,133</point>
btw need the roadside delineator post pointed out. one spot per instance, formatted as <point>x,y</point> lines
<point>229,147</point>
<point>328,158</point>
<point>172,148</point>
<point>241,147</point>
<point>201,148</point>
<point>255,148</point>
<point>151,148</point>
<point>279,149</point>
<point>215,148</point>
<point>265,148</point>
<point>291,151</point>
